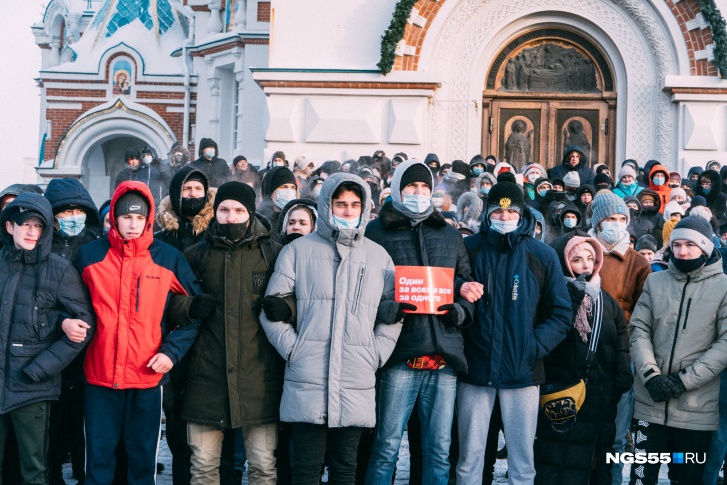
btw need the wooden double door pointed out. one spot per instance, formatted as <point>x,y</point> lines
<point>522,131</point>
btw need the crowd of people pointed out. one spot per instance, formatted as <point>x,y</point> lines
<point>255,312</point>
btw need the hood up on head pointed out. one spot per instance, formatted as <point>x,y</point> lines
<point>70,192</point>
<point>206,143</point>
<point>583,162</point>
<point>325,226</point>
<point>39,204</point>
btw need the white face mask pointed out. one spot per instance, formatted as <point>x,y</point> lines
<point>284,196</point>
<point>438,201</point>
<point>417,203</point>
<point>209,153</point>
<point>613,232</point>
<point>344,223</point>
<point>533,177</point>
<point>317,191</point>
<point>504,227</point>
<point>147,159</point>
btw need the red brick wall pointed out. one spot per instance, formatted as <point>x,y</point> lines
<point>62,119</point>
<point>263,11</point>
<point>696,39</point>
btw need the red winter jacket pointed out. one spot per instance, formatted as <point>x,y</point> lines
<point>664,191</point>
<point>130,282</point>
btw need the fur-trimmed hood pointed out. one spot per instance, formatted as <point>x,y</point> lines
<point>168,220</point>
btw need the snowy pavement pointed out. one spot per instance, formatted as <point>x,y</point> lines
<point>402,468</point>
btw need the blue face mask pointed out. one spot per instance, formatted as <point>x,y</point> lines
<point>478,171</point>
<point>658,181</point>
<point>485,190</point>
<point>504,227</point>
<point>613,232</point>
<point>417,204</point>
<point>344,223</point>
<point>706,191</point>
<point>72,226</point>
<point>570,223</point>
<point>542,193</point>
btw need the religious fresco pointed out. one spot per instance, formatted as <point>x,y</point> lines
<point>122,78</point>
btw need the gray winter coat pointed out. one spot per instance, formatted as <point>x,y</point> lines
<point>680,325</point>
<point>338,278</point>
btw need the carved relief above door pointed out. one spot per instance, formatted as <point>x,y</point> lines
<point>547,90</point>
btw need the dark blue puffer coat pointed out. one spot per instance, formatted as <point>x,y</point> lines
<point>525,311</point>
<point>39,290</point>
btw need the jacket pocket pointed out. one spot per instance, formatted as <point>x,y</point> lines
<point>703,400</point>
<point>359,289</point>
<point>21,355</point>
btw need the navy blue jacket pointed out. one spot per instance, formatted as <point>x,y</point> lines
<point>525,311</point>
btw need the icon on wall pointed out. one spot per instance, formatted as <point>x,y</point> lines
<point>122,78</point>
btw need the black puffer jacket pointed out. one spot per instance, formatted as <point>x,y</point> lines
<point>640,226</point>
<point>567,457</point>
<point>142,173</point>
<point>431,243</point>
<point>69,193</point>
<point>716,199</point>
<point>652,215</point>
<point>585,173</point>
<point>40,290</point>
<point>217,170</point>
<point>175,230</point>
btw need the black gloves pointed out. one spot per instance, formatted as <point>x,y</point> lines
<point>454,317</point>
<point>662,388</point>
<point>577,288</point>
<point>276,309</point>
<point>391,312</point>
<point>202,306</point>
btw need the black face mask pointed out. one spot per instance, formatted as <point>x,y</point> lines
<point>192,206</point>
<point>689,265</point>
<point>288,238</point>
<point>233,232</point>
<point>634,213</point>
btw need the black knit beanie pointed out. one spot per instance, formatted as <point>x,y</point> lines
<point>131,202</point>
<point>238,191</point>
<point>280,177</point>
<point>416,173</point>
<point>458,166</point>
<point>505,194</point>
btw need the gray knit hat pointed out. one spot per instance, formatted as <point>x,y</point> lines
<point>696,230</point>
<point>572,179</point>
<point>607,204</point>
<point>626,170</point>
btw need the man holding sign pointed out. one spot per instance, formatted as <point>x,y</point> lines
<point>524,314</point>
<point>433,282</point>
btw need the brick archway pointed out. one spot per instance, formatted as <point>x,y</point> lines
<point>695,31</point>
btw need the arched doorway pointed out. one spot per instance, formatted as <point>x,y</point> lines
<point>103,161</point>
<point>546,90</point>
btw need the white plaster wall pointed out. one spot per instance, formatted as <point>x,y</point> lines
<point>255,118</point>
<point>320,34</point>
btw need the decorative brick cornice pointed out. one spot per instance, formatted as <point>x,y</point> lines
<point>710,91</point>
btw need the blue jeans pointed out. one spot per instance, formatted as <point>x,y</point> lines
<point>624,414</point>
<point>519,408</point>
<point>718,446</point>
<point>397,391</point>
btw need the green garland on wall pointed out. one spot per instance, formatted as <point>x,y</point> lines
<point>395,33</point>
<point>719,34</point>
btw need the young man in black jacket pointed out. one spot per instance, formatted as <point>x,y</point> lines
<point>43,294</point>
<point>430,350</point>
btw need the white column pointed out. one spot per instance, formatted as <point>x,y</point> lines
<point>240,78</point>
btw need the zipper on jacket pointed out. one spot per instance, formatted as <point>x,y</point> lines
<point>138,285</point>
<point>359,287</point>
<point>674,343</point>
<point>686,315</point>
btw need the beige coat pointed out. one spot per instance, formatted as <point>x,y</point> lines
<point>680,325</point>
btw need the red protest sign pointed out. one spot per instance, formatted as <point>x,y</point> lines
<point>426,287</point>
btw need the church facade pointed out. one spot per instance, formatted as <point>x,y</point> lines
<point>520,79</point>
